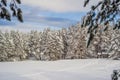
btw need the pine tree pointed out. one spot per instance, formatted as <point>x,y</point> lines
<point>104,13</point>
<point>13,5</point>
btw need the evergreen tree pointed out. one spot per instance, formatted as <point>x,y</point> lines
<point>13,5</point>
<point>106,12</point>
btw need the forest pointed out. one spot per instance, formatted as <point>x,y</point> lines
<point>66,43</point>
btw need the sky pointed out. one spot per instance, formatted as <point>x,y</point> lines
<point>40,14</point>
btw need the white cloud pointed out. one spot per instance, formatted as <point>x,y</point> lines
<point>35,19</point>
<point>60,5</point>
<point>36,23</point>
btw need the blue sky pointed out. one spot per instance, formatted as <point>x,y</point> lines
<point>40,14</point>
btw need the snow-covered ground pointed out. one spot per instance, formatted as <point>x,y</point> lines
<point>88,69</point>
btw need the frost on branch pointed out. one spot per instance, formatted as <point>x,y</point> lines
<point>59,44</point>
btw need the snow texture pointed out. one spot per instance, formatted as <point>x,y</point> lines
<point>86,69</point>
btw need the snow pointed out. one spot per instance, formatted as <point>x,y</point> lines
<point>86,69</point>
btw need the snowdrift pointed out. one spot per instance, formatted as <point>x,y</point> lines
<point>86,69</point>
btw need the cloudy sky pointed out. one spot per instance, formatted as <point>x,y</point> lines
<point>40,14</point>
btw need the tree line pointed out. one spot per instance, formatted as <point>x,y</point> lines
<point>59,44</point>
